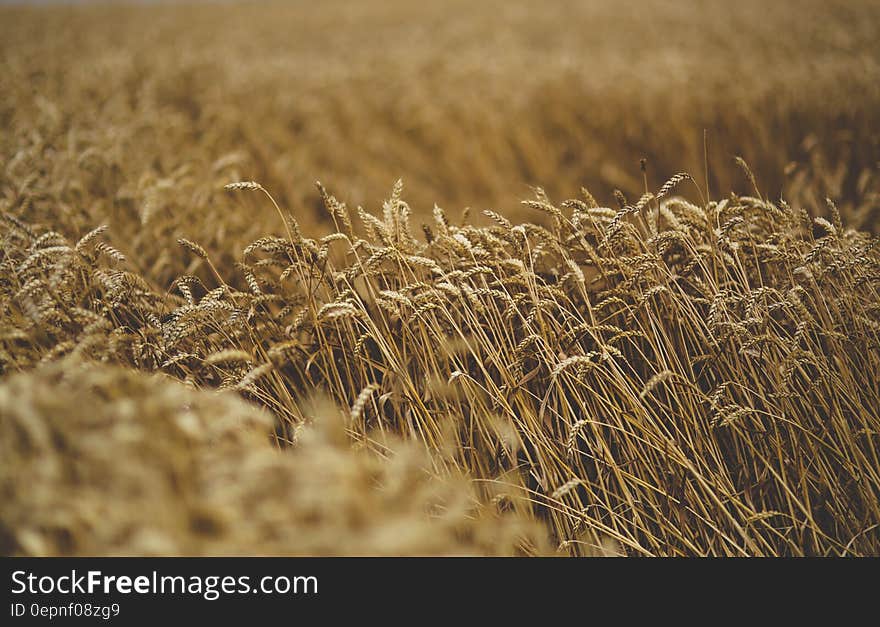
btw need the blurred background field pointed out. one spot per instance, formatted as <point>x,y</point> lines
<point>134,113</point>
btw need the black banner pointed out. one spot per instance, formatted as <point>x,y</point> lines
<point>127,590</point>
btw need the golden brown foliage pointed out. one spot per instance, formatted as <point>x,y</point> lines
<point>675,378</point>
<point>104,461</point>
<point>681,373</point>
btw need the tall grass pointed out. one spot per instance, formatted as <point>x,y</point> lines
<point>669,377</point>
<point>689,370</point>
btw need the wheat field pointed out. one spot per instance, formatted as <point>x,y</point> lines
<point>569,279</point>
